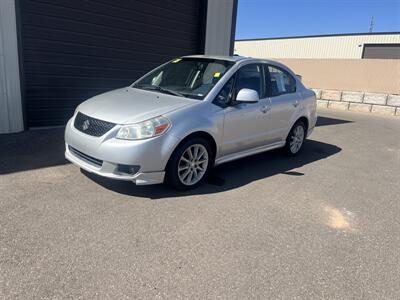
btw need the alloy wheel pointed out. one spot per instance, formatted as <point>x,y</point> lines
<point>193,164</point>
<point>296,139</point>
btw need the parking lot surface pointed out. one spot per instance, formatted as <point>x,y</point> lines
<point>322,225</point>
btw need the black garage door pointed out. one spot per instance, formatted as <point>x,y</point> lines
<point>75,49</point>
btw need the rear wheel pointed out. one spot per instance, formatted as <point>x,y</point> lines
<point>189,164</point>
<point>295,139</point>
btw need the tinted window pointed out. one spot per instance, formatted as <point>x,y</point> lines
<point>249,77</point>
<point>280,82</point>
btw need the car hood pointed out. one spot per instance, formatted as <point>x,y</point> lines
<point>130,105</point>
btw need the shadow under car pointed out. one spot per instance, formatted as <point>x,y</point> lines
<point>230,175</point>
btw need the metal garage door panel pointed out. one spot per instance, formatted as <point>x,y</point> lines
<point>381,51</point>
<point>73,50</point>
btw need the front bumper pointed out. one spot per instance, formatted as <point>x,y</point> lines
<point>109,153</point>
<point>110,170</point>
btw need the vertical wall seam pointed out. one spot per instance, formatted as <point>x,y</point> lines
<point>18,26</point>
<point>3,64</point>
<point>233,27</point>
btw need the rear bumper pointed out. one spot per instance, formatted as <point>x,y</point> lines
<point>310,130</point>
<point>110,170</point>
<point>312,123</point>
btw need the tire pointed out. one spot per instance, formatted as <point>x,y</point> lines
<point>295,139</point>
<point>181,162</point>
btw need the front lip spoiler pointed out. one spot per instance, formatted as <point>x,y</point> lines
<point>139,178</point>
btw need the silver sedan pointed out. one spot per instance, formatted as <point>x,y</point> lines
<point>190,114</point>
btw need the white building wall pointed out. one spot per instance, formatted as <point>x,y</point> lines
<point>11,118</point>
<point>220,20</point>
<point>327,47</point>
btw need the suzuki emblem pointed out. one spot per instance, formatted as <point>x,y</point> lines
<point>86,125</point>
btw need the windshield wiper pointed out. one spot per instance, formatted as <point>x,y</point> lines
<point>159,89</point>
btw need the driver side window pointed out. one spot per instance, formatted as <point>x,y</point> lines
<point>249,77</point>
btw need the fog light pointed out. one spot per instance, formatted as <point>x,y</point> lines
<point>128,169</point>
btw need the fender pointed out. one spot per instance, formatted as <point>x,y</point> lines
<point>207,118</point>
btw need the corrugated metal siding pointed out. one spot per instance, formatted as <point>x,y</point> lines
<point>76,49</point>
<point>329,47</point>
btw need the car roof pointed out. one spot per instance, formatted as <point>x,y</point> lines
<point>235,58</point>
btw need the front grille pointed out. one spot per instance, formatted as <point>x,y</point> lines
<point>92,126</point>
<point>85,157</point>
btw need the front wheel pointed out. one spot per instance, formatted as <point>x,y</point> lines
<point>295,139</point>
<point>189,164</point>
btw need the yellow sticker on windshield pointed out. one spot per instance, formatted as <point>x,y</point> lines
<point>217,74</point>
<point>176,60</point>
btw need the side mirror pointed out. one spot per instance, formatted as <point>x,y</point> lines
<point>247,96</point>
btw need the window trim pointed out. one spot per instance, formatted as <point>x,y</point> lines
<point>266,70</point>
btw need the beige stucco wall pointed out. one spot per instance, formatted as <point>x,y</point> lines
<point>366,75</point>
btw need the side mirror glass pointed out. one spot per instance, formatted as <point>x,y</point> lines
<point>248,96</point>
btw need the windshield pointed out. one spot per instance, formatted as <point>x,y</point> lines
<point>186,77</point>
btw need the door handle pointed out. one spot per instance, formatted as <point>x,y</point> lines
<point>296,103</point>
<point>265,108</point>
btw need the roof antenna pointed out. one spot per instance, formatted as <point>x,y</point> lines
<point>371,24</point>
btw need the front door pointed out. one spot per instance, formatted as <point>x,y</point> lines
<point>245,123</point>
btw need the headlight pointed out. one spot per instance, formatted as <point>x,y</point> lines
<point>144,130</point>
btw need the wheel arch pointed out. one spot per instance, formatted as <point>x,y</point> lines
<point>304,119</point>
<point>202,134</point>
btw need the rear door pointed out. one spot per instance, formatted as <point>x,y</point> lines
<point>285,101</point>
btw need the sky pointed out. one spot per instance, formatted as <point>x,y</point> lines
<point>280,18</point>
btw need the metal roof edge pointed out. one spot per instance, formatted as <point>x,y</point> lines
<point>320,35</point>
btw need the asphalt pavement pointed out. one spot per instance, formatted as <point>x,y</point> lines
<point>323,225</point>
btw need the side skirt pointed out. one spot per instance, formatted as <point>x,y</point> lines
<point>234,156</point>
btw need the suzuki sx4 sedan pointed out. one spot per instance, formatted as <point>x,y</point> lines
<point>188,115</point>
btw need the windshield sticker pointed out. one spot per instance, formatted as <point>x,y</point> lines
<point>217,74</point>
<point>176,60</point>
